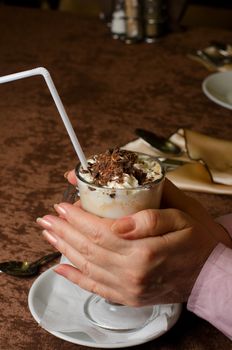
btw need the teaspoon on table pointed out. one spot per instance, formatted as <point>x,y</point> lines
<point>161,143</point>
<point>24,268</point>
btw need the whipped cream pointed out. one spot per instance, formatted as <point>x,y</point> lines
<point>119,168</point>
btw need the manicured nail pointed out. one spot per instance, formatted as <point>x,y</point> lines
<point>51,239</point>
<point>66,174</point>
<point>59,270</point>
<point>44,223</point>
<point>123,225</point>
<point>60,210</point>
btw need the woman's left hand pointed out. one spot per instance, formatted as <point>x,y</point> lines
<point>104,263</point>
<point>161,266</point>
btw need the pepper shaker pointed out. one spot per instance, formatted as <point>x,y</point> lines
<point>155,19</point>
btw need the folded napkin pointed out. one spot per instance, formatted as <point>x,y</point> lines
<point>209,167</point>
<point>64,313</point>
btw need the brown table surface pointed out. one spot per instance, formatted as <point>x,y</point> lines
<point>109,89</point>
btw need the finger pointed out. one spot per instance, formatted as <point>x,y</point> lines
<point>75,276</point>
<point>72,177</point>
<point>65,232</point>
<point>150,222</point>
<point>87,268</point>
<point>115,280</point>
<point>108,293</point>
<point>97,229</point>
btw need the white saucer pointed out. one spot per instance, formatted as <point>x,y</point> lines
<point>38,298</point>
<point>218,88</point>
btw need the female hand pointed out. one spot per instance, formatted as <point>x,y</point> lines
<point>151,257</point>
<point>174,198</point>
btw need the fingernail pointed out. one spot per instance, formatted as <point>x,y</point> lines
<point>59,270</point>
<point>66,174</point>
<point>123,225</point>
<point>60,210</point>
<point>51,239</point>
<point>44,223</point>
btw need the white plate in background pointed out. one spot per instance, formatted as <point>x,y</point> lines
<point>218,88</point>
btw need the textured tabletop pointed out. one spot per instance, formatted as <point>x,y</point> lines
<point>108,89</point>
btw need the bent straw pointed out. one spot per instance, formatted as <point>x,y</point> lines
<point>44,72</point>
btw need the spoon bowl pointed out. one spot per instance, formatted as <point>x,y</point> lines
<point>161,143</point>
<point>24,268</point>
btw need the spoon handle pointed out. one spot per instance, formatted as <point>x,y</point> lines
<point>45,259</point>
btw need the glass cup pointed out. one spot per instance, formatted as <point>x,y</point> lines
<point>114,203</point>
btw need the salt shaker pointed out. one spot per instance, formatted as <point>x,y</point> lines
<point>118,26</point>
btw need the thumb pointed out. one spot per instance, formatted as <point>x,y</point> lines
<point>150,222</point>
<point>70,175</point>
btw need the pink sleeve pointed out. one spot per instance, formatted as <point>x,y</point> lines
<point>211,296</point>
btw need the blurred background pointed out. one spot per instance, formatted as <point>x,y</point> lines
<point>214,13</point>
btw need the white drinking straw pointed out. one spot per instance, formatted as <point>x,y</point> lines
<point>44,72</point>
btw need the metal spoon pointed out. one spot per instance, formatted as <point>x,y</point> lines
<point>161,143</point>
<point>223,48</point>
<point>215,60</point>
<point>24,268</point>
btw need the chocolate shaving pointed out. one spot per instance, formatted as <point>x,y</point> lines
<point>112,165</point>
<point>91,188</point>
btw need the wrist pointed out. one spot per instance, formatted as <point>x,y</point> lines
<point>224,223</point>
<point>223,236</point>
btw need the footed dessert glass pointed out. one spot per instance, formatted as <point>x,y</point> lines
<point>115,203</point>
